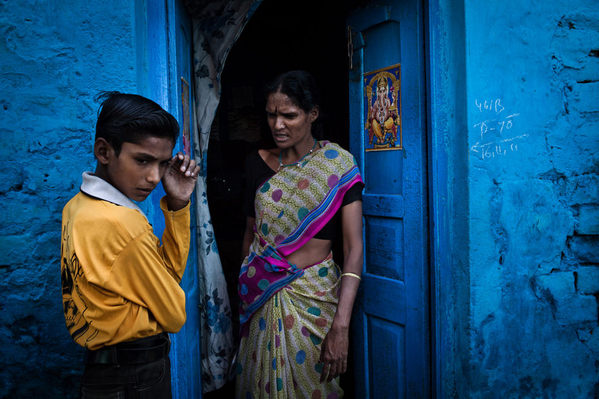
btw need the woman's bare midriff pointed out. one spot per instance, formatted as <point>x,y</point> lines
<point>314,251</point>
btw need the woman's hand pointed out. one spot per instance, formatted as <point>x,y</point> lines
<point>179,181</point>
<point>333,353</point>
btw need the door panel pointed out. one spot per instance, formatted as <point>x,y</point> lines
<point>384,247</point>
<point>169,73</point>
<point>391,327</point>
<point>387,343</point>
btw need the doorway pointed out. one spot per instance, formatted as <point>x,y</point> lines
<point>280,36</point>
<point>391,332</point>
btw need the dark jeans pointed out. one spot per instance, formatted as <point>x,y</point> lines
<point>139,369</point>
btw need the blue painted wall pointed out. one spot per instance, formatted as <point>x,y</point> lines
<point>532,85</point>
<point>56,56</point>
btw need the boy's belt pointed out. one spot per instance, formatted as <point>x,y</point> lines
<point>143,350</point>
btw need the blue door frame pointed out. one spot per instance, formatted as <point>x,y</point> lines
<point>164,67</point>
<point>445,56</point>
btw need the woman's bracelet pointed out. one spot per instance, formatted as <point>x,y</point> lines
<point>354,275</point>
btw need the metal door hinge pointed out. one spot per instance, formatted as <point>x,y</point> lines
<point>350,48</point>
<point>355,41</point>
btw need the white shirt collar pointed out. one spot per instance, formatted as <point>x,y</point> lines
<point>99,188</point>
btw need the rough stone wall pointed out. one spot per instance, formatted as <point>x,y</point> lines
<point>533,86</point>
<point>56,56</point>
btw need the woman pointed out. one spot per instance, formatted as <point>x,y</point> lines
<point>295,302</point>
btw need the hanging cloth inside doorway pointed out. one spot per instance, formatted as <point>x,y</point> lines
<point>216,26</point>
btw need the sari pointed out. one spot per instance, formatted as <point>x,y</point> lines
<point>286,311</point>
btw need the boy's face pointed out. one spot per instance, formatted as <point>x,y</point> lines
<point>139,167</point>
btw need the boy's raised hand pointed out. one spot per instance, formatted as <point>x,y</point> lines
<point>179,180</point>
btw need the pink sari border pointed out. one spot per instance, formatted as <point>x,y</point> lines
<point>326,215</point>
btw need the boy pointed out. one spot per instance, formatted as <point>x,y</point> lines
<point>120,287</point>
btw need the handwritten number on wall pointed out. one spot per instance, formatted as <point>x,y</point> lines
<point>495,132</point>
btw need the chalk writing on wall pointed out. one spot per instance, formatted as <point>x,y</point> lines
<point>495,130</point>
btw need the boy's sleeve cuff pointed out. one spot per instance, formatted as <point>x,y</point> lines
<point>164,207</point>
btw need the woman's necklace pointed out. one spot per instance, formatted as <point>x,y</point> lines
<point>296,163</point>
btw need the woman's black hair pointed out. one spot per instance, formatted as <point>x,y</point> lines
<point>129,118</point>
<point>301,88</point>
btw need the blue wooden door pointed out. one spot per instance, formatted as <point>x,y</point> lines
<point>391,332</point>
<point>169,41</point>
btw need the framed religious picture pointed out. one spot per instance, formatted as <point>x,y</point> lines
<point>382,109</point>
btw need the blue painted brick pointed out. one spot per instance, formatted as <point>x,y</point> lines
<point>559,284</point>
<point>577,309</point>
<point>569,307</point>
<point>585,248</point>
<point>591,338</point>
<point>11,248</point>
<point>588,280</point>
<point>582,189</point>
<point>585,96</point>
<point>588,220</point>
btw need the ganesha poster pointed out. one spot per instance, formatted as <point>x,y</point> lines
<point>382,109</point>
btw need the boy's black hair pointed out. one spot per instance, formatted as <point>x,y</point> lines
<point>129,118</point>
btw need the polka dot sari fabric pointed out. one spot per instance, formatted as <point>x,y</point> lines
<point>291,207</point>
<point>279,352</point>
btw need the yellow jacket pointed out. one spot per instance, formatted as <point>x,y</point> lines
<point>118,282</point>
